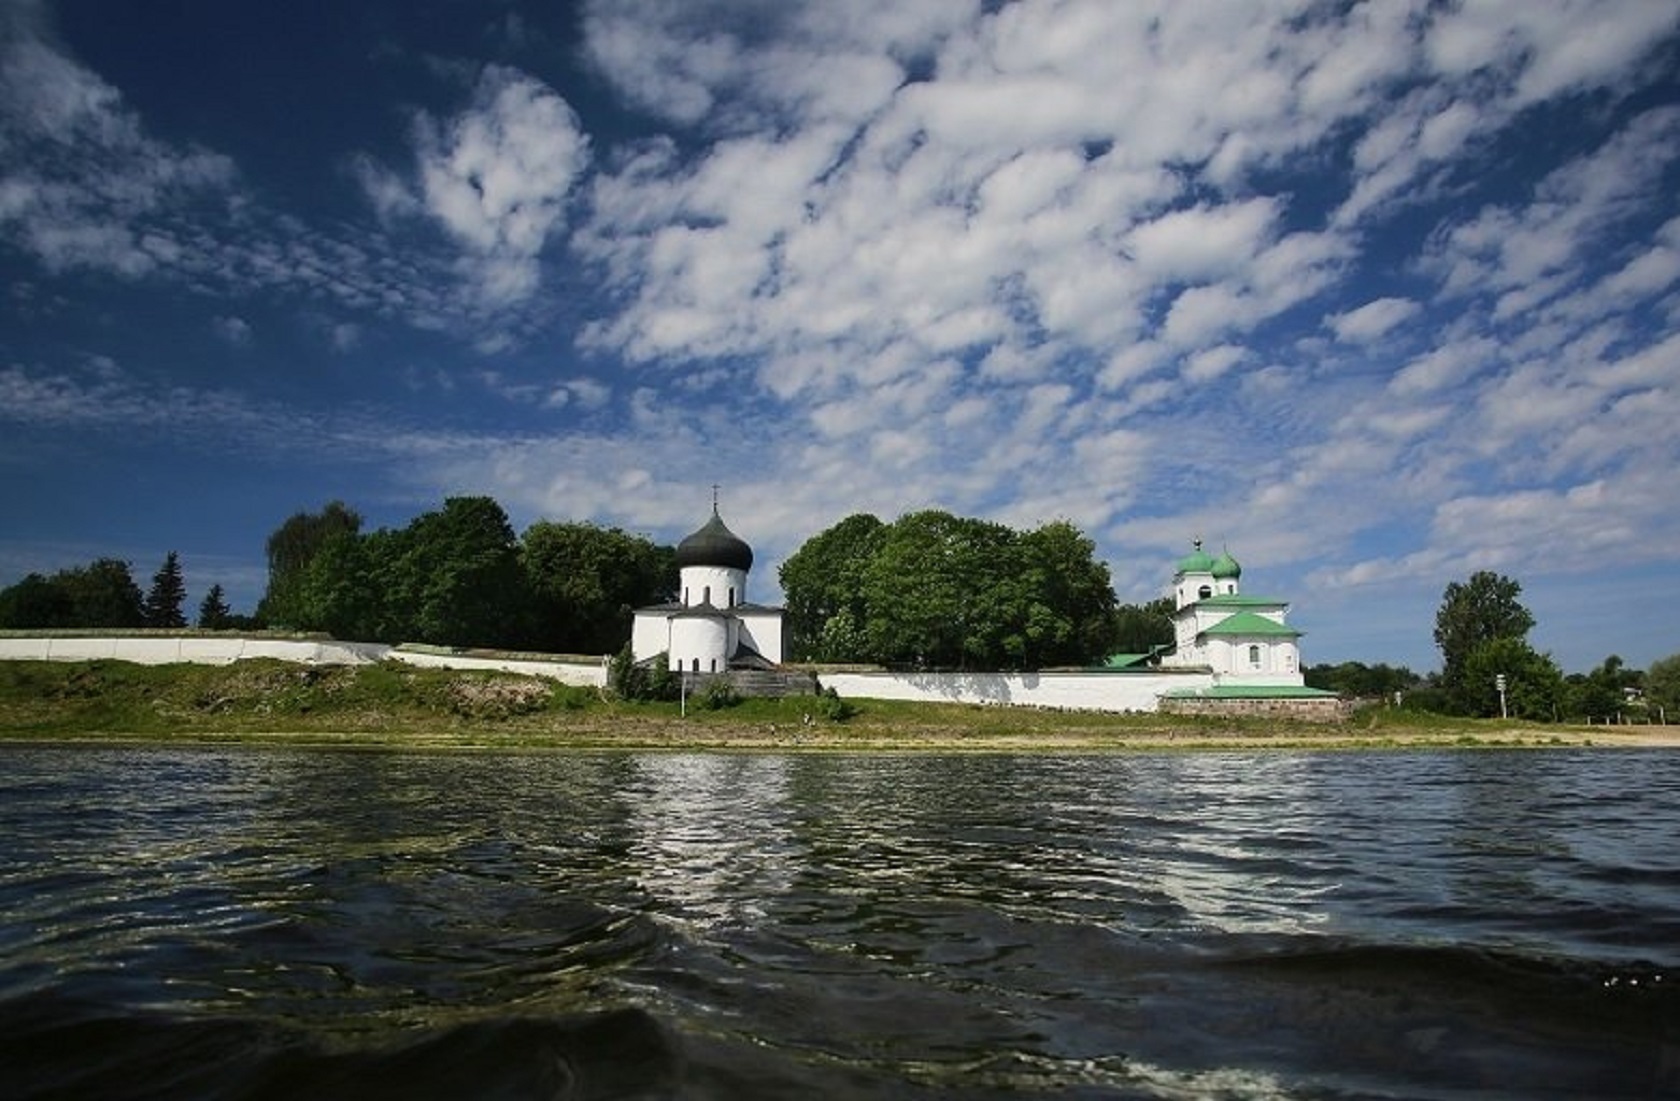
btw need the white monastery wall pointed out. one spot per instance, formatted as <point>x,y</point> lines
<point>1073,691</point>
<point>227,650</point>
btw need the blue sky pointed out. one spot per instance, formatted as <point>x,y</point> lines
<point>1375,294</point>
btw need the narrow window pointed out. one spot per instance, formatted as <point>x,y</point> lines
<point>685,596</point>
<point>706,595</point>
<point>1254,655</point>
<point>731,596</point>
<point>714,665</point>
<point>696,665</point>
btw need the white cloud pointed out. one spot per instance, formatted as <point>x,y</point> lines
<point>1372,320</point>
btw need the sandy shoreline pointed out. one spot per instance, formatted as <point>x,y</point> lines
<point>676,735</point>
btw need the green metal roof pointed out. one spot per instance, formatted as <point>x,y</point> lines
<point>1226,567</point>
<point>1197,561</point>
<point>1249,692</point>
<point>1238,600</point>
<point>1124,661</point>
<point>1247,623</point>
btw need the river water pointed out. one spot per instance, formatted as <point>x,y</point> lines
<point>261,923</point>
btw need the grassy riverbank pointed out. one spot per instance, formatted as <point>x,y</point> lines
<point>395,706</point>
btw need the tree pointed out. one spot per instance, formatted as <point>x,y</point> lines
<point>823,585</point>
<point>1662,685</point>
<point>1533,684</point>
<point>933,590</point>
<point>1356,680</point>
<point>213,612</point>
<point>1071,606</point>
<point>456,573</point>
<point>1482,610</point>
<point>1140,628</point>
<point>167,594</point>
<point>102,594</point>
<point>290,549</point>
<point>1602,693</point>
<point>34,603</point>
<point>584,581</point>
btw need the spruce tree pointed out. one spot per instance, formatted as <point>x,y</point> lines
<point>163,603</point>
<point>214,613</point>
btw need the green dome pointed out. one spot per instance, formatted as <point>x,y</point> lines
<point>1225,567</point>
<point>715,545</point>
<point>1197,561</point>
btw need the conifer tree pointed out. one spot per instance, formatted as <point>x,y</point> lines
<point>214,613</point>
<point>168,593</point>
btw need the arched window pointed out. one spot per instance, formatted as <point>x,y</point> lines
<point>714,665</point>
<point>696,665</point>
<point>1204,592</point>
<point>706,595</point>
<point>731,596</point>
<point>1254,654</point>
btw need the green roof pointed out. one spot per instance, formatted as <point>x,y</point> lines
<point>1238,600</point>
<point>1249,692</point>
<point>1124,661</point>
<point>1197,561</point>
<point>1247,623</point>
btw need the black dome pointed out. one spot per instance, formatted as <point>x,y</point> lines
<point>714,545</point>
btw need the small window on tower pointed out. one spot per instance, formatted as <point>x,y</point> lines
<point>1254,655</point>
<point>1204,592</point>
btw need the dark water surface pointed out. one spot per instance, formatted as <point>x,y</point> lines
<point>272,924</point>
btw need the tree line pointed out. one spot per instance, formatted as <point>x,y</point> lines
<point>935,591</point>
<point>1481,631</point>
<point>104,594</point>
<point>929,590</point>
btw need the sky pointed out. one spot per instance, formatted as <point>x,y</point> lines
<point>1375,295</point>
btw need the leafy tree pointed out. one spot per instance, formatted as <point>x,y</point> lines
<point>102,594</point>
<point>291,548</point>
<point>456,573</point>
<point>340,591</point>
<point>1356,680</point>
<point>823,584</point>
<point>1662,685</point>
<point>584,581</point>
<point>937,588</point>
<point>1140,628</point>
<point>1484,609</point>
<point>1600,694</point>
<point>1533,684</point>
<point>167,594</point>
<point>1070,612</point>
<point>36,602</point>
<point>213,612</point>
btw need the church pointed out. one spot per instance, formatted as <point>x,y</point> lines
<point>1217,627</point>
<point>712,627</point>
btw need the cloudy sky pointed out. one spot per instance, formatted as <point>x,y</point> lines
<point>1375,294</point>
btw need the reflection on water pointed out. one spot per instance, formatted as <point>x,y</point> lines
<point>272,924</point>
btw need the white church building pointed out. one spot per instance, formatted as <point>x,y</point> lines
<point>712,627</point>
<point>1216,626</point>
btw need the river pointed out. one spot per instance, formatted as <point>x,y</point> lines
<point>262,923</point>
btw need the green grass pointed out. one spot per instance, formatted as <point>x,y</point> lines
<point>392,704</point>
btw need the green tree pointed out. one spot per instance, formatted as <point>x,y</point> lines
<point>290,549</point>
<point>102,594</point>
<point>341,591</point>
<point>823,584</point>
<point>213,612</point>
<point>1482,610</point>
<point>1140,628</point>
<point>1070,601</point>
<point>584,581</point>
<point>1662,686</point>
<point>1533,683</point>
<point>167,594</point>
<point>936,589</point>
<point>1356,680</point>
<point>455,574</point>
<point>34,603</point>
<point>1600,694</point>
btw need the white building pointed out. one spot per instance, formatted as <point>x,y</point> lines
<point>1217,627</point>
<point>713,627</point>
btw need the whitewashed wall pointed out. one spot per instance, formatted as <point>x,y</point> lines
<point>1075,691</point>
<point>225,651</point>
